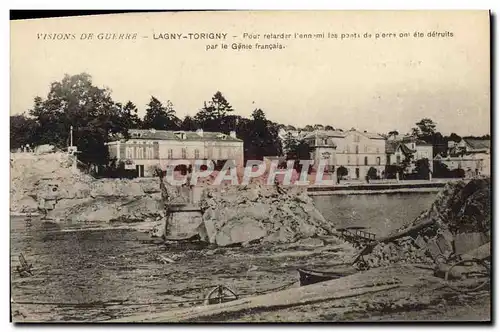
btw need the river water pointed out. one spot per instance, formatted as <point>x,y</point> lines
<point>380,213</point>
<point>73,271</point>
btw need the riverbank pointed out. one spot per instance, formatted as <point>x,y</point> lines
<point>380,187</point>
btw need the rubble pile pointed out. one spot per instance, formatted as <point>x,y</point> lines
<point>258,213</point>
<point>458,221</point>
<point>47,181</point>
<point>28,171</point>
<point>403,250</point>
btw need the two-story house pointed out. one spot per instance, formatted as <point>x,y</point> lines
<point>355,150</point>
<point>470,154</point>
<point>401,148</point>
<point>147,149</point>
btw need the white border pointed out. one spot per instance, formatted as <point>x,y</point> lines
<point>190,4</point>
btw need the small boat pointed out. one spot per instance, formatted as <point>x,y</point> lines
<point>308,276</point>
<point>220,294</point>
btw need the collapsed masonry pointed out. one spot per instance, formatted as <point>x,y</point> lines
<point>231,214</point>
<point>458,222</point>
<point>246,214</point>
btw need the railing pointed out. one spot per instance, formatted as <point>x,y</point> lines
<point>357,233</point>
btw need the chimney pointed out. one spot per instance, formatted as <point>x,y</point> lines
<point>199,132</point>
<point>232,133</point>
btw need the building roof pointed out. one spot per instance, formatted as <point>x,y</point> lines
<point>478,144</point>
<point>412,139</point>
<point>392,147</point>
<point>151,134</point>
<point>339,133</point>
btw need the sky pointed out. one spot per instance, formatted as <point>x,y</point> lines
<point>374,84</point>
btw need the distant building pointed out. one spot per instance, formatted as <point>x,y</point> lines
<point>471,155</point>
<point>400,147</point>
<point>469,146</point>
<point>288,133</point>
<point>147,149</point>
<point>355,150</point>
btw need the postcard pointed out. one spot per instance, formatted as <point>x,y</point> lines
<point>251,166</point>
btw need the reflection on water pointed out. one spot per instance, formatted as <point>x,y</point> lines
<point>380,213</point>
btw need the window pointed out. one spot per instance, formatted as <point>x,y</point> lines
<point>357,148</point>
<point>378,160</point>
<point>129,152</point>
<point>139,153</point>
<point>348,160</point>
<point>398,160</point>
<point>348,149</point>
<point>196,154</point>
<point>170,154</point>
<point>180,135</point>
<point>183,153</point>
<point>149,153</point>
<point>366,160</point>
<point>366,148</point>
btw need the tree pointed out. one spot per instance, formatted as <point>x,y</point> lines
<point>319,127</point>
<point>342,171</point>
<point>261,137</point>
<point>189,124</point>
<point>160,117</point>
<point>22,131</point>
<point>372,173</point>
<point>290,144</point>
<point>391,171</point>
<point>425,127</point>
<point>210,115</point>
<point>329,128</point>
<point>455,138</point>
<point>422,168</point>
<point>441,170</point>
<point>308,128</point>
<point>130,114</point>
<point>76,101</point>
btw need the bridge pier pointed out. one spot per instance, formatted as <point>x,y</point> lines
<point>182,221</point>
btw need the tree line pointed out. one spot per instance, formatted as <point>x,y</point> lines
<point>96,119</point>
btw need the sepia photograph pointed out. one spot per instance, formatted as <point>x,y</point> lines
<point>251,167</point>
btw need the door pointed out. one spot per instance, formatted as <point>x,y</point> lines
<point>357,173</point>
<point>140,170</point>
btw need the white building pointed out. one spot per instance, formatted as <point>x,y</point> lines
<point>400,147</point>
<point>355,150</point>
<point>147,149</point>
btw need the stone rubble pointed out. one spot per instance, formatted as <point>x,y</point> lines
<point>462,222</point>
<point>242,214</point>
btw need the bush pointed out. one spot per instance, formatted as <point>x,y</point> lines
<point>372,173</point>
<point>392,170</point>
<point>116,171</point>
<point>442,171</point>
<point>342,171</point>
